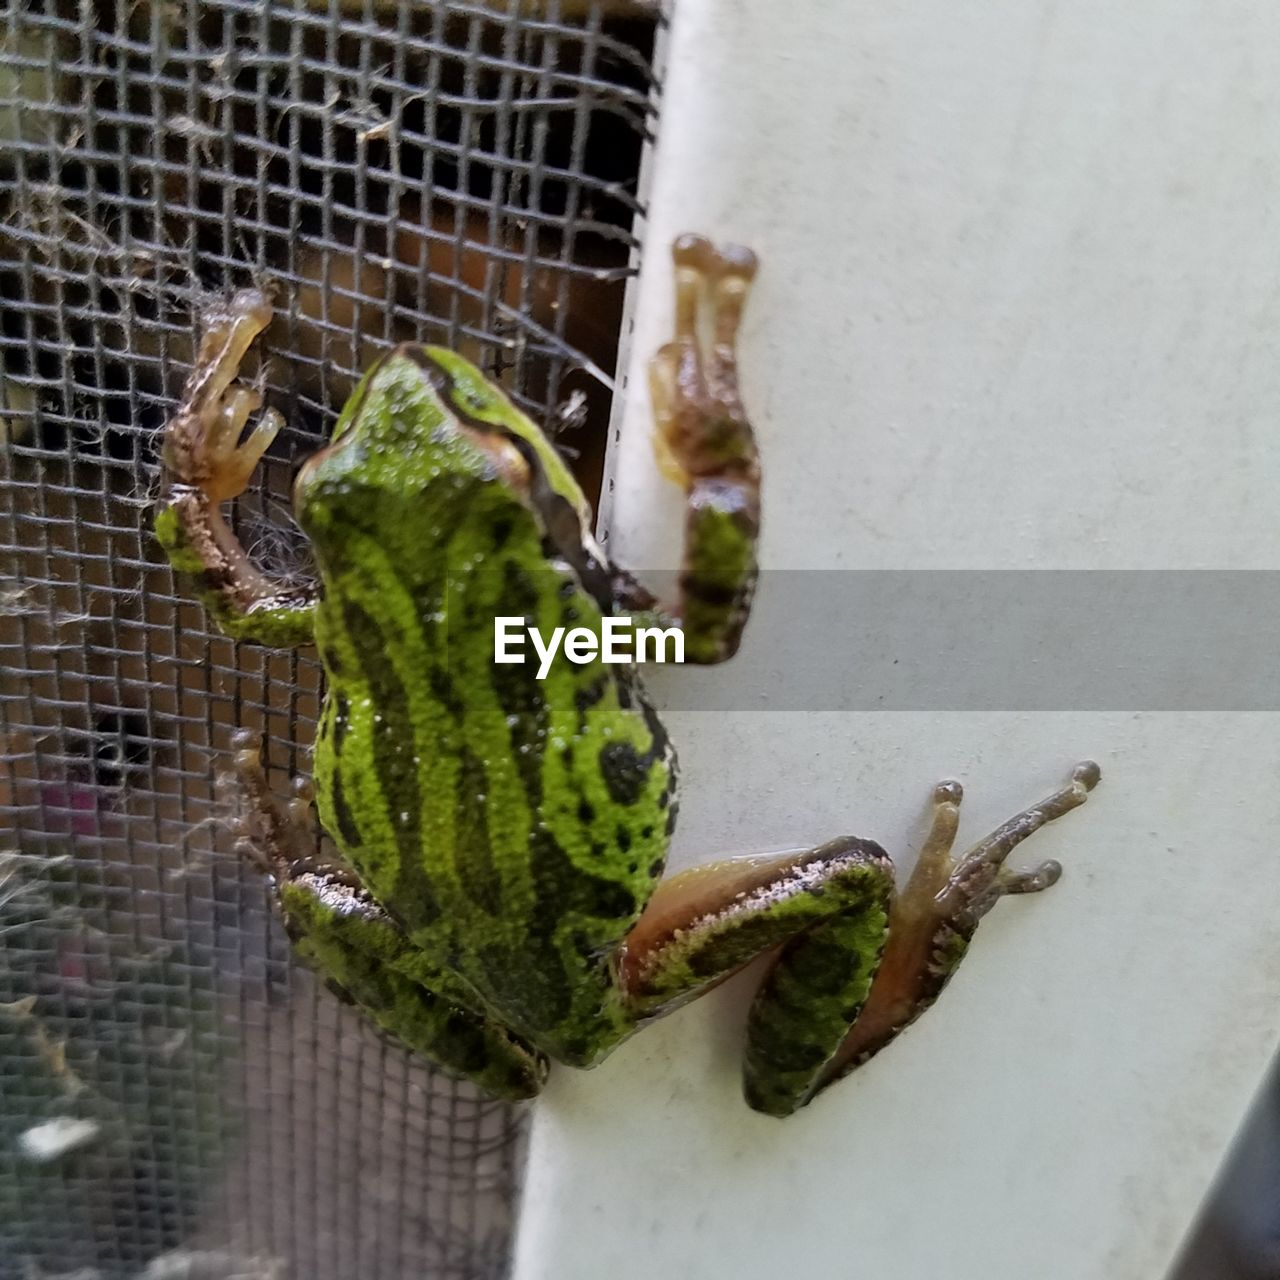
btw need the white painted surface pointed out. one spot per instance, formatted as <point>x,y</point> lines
<point>1020,307</point>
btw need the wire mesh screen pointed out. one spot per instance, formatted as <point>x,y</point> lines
<point>177,1098</point>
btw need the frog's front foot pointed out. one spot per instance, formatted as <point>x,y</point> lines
<point>205,463</point>
<point>704,442</point>
<point>202,449</point>
<point>703,431</point>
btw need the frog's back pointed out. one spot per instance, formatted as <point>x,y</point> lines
<point>515,826</point>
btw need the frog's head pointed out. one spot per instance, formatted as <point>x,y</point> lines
<point>423,412</point>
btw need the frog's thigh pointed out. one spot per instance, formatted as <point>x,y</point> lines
<point>831,904</point>
<point>342,933</point>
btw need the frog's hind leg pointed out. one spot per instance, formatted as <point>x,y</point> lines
<point>338,928</point>
<point>704,442</point>
<point>853,966</point>
<point>701,926</point>
<point>930,928</point>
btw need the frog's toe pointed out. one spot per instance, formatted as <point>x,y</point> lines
<point>738,262</point>
<point>230,328</point>
<point>1046,874</point>
<point>1087,774</point>
<point>694,253</point>
<point>233,461</point>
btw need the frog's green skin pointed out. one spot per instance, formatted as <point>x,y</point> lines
<point>503,837</point>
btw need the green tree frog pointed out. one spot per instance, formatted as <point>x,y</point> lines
<point>499,900</point>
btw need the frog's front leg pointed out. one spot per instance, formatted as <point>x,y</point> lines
<point>854,967</point>
<point>206,464</point>
<point>338,928</point>
<point>705,443</point>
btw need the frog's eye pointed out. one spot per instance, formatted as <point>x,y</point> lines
<point>472,399</point>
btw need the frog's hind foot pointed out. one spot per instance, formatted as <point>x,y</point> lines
<point>978,880</point>
<point>934,918</point>
<point>203,449</point>
<point>279,841</point>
